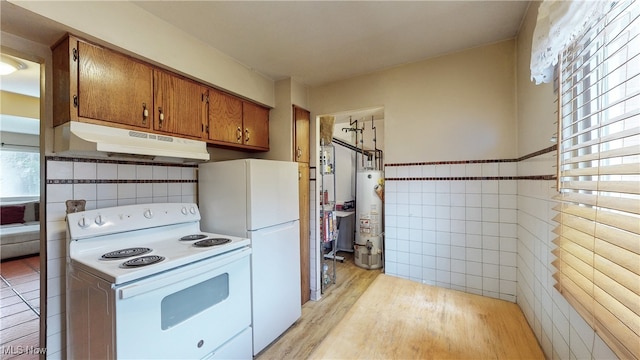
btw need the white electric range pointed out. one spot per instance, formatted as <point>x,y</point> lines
<point>144,282</point>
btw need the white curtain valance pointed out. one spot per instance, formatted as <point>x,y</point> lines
<point>559,23</point>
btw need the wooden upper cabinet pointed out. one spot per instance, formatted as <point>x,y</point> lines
<point>93,84</point>
<point>97,85</point>
<point>237,123</point>
<point>179,105</point>
<point>255,120</point>
<point>301,121</point>
<point>225,118</point>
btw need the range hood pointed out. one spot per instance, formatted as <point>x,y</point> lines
<point>91,140</point>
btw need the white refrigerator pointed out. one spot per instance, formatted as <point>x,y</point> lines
<point>258,199</point>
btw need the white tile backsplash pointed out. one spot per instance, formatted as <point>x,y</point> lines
<point>59,170</point>
<point>107,191</point>
<point>160,189</point>
<point>85,192</point>
<point>143,190</point>
<point>160,173</point>
<point>126,172</point>
<point>144,172</point>
<point>107,171</point>
<point>59,192</point>
<point>84,170</point>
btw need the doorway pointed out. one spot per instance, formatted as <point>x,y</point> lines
<point>20,197</point>
<point>357,134</point>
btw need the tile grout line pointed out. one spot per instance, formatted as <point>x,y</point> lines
<point>20,295</point>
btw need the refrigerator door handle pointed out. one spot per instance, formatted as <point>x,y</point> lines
<point>278,227</point>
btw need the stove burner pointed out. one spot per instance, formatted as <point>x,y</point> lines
<point>193,237</point>
<point>125,253</point>
<point>142,261</point>
<point>211,242</point>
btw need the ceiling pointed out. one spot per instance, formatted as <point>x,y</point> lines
<point>25,82</point>
<point>318,42</point>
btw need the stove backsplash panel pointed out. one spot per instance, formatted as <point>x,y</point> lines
<point>101,183</point>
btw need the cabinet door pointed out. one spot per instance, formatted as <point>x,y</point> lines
<point>301,120</point>
<point>256,125</point>
<point>225,118</point>
<point>113,87</point>
<point>180,105</point>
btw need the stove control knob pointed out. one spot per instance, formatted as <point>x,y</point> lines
<point>184,210</point>
<point>148,214</point>
<point>83,223</point>
<point>192,210</point>
<point>99,220</point>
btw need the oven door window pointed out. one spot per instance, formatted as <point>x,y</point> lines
<point>188,302</point>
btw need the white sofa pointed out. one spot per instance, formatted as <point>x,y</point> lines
<point>19,236</point>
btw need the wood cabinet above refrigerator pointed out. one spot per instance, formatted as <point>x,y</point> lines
<point>234,122</point>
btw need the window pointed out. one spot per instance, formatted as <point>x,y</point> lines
<point>20,173</point>
<point>598,243</point>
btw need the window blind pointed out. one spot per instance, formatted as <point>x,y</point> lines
<point>597,252</point>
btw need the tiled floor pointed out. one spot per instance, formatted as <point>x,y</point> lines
<point>19,308</point>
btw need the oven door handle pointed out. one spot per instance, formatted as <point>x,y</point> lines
<point>182,275</point>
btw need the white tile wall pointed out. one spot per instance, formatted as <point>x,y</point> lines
<point>84,180</point>
<point>458,234</point>
<point>561,332</point>
<point>488,237</point>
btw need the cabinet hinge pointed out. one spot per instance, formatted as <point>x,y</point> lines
<point>205,98</point>
<point>75,101</point>
<point>75,54</point>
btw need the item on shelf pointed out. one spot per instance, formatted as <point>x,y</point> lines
<point>348,205</point>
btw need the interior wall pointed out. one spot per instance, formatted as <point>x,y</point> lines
<point>288,92</point>
<point>535,104</point>
<point>19,105</point>
<point>19,140</point>
<point>561,332</point>
<point>456,107</point>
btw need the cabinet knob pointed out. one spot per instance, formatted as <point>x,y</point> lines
<point>145,114</point>
<point>246,135</point>
<point>239,134</point>
<point>161,116</point>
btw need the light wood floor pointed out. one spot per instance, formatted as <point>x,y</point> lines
<point>411,321</point>
<point>320,317</point>
<point>402,319</point>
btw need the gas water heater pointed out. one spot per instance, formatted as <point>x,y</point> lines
<point>369,197</point>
